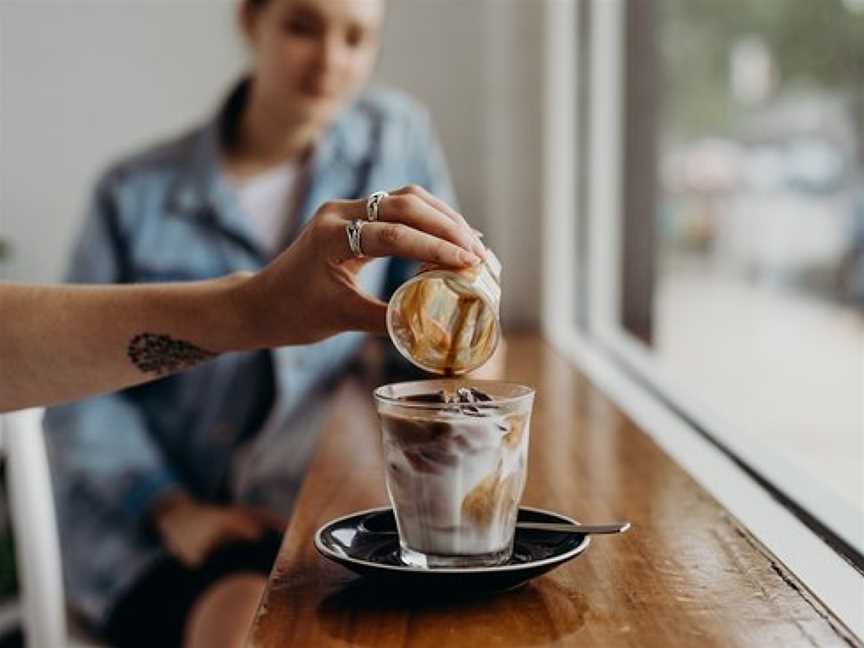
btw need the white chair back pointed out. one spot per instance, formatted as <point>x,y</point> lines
<point>34,525</point>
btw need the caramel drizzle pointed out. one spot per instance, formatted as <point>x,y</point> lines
<point>463,306</point>
<point>429,337</point>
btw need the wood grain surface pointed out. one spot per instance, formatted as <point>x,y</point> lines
<point>687,573</point>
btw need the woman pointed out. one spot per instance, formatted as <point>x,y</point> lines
<point>168,494</point>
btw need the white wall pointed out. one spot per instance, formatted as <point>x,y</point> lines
<point>82,82</point>
<point>435,49</point>
<point>514,151</point>
<point>478,65</point>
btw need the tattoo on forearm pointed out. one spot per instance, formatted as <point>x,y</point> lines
<point>162,354</point>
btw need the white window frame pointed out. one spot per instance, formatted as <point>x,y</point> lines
<point>621,366</point>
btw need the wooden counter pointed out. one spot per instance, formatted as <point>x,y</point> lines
<point>687,574</point>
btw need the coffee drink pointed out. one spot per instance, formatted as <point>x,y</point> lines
<point>456,455</point>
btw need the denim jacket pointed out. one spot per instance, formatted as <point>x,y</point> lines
<point>169,214</point>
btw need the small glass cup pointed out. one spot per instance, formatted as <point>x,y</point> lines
<point>446,321</point>
<point>455,469</point>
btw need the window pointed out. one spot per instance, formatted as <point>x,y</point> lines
<point>722,217</point>
<point>742,257</point>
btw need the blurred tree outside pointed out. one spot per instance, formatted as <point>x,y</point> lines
<point>816,43</point>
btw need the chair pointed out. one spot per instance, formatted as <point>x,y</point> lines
<point>34,525</point>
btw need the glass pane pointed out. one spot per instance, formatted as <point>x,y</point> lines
<point>758,303</point>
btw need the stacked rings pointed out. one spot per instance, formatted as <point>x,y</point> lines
<point>373,202</point>
<point>354,230</point>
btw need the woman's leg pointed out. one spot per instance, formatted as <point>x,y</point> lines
<point>222,615</point>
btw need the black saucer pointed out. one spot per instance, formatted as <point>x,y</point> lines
<point>377,555</point>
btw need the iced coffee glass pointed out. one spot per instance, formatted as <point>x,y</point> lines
<point>455,456</point>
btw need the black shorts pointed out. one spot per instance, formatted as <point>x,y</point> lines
<point>154,612</point>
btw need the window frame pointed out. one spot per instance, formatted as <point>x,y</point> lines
<point>706,446</point>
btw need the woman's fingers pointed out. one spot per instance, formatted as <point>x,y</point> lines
<point>395,239</point>
<point>475,235</point>
<point>379,238</point>
<point>270,519</point>
<point>414,211</point>
<point>433,201</point>
<point>240,525</point>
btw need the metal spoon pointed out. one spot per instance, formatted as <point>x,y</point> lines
<point>380,523</point>
<point>585,529</point>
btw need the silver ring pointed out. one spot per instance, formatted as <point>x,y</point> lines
<point>353,230</point>
<point>372,204</point>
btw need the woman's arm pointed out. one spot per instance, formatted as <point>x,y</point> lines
<point>64,342</point>
<point>60,343</point>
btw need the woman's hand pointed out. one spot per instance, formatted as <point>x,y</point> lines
<point>191,531</point>
<point>311,291</point>
<point>101,338</point>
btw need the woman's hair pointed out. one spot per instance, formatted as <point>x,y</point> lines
<point>256,4</point>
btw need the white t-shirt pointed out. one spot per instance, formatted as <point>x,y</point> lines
<point>267,200</point>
